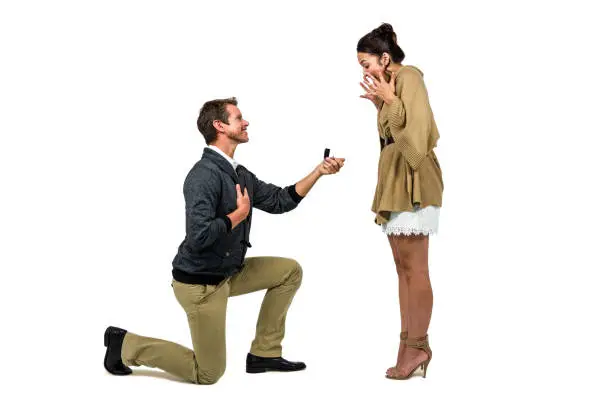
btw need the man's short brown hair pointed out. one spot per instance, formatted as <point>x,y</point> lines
<point>211,111</point>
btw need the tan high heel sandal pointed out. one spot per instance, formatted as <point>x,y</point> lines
<point>421,343</point>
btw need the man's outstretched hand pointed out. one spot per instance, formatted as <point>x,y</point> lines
<point>331,165</point>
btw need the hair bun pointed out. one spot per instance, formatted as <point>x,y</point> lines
<point>385,30</point>
<point>381,40</point>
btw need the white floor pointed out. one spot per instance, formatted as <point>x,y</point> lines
<point>99,104</point>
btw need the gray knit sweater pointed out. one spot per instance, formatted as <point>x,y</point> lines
<point>211,250</point>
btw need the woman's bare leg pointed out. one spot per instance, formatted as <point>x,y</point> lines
<point>415,294</point>
<point>403,302</point>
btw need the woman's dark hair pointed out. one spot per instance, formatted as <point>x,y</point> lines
<point>381,40</point>
<point>211,111</point>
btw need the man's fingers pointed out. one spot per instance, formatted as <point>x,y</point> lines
<point>238,191</point>
<point>246,192</point>
<point>340,163</point>
<point>333,164</point>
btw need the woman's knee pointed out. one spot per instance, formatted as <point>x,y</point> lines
<point>413,270</point>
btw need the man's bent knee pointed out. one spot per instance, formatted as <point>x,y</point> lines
<point>209,377</point>
<point>296,272</point>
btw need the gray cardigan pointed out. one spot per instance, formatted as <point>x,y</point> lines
<point>211,250</point>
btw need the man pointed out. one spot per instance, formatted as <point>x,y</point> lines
<point>211,266</point>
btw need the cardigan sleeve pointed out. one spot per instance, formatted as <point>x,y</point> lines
<point>410,117</point>
<point>273,199</point>
<point>202,196</point>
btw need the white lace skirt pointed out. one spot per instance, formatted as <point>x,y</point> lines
<point>422,221</point>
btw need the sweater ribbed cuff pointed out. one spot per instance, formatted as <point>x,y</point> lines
<point>413,157</point>
<point>397,113</point>
<point>228,222</point>
<point>294,195</point>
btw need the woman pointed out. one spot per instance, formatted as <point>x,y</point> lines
<point>409,189</point>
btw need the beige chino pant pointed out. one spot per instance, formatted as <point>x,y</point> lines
<point>206,307</point>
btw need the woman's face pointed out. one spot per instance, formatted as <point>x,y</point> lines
<point>371,64</point>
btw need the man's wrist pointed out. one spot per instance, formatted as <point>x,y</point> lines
<point>236,217</point>
<point>243,214</point>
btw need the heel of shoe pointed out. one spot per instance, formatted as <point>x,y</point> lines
<point>106,338</point>
<point>424,367</point>
<point>420,343</point>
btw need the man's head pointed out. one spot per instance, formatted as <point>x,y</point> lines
<point>221,119</point>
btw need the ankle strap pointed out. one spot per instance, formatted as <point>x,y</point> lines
<point>421,343</point>
<point>414,341</point>
<point>418,342</point>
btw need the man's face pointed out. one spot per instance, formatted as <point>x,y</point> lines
<point>236,128</point>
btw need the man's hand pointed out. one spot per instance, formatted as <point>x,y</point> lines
<point>243,202</point>
<point>331,165</point>
<point>243,207</point>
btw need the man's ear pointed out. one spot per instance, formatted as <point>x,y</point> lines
<point>218,125</point>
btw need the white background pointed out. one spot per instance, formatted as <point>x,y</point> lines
<point>99,102</point>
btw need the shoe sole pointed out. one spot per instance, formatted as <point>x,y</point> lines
<point>255,370</point>
<point>259,370</point>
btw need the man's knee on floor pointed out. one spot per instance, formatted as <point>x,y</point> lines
<point>210,376</point>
